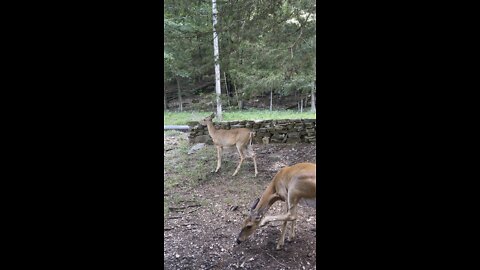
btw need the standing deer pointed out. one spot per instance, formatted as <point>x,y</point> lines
<point>291,185</point>
<point>239,137</point>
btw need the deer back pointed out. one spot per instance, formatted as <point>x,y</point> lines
<point>231,137</point>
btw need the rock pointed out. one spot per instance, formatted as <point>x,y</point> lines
<point>196,147</point>
<point>293,134</point>
<point>202,139</point>
<point>294,140</point>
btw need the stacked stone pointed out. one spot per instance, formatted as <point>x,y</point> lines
<point>266,131</point>
<point>311,130</point>
<point>198,133</point>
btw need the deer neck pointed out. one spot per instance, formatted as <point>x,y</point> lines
<point>266,201</point>
<point>211,128</point>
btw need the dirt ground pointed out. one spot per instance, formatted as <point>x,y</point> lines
<point>204,212</point>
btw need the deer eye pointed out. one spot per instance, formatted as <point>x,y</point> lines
<point>249,226</point>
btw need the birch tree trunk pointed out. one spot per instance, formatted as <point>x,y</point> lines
<point>314,109</point>
<point>179,96</point>
<point>271,99</point>
<point>216,60</point>
<point>314,86</point>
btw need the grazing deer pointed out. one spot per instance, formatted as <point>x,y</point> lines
<point>291,185</point>
<point>239,137</point>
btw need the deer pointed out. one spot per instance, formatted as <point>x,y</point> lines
<point>292,184</point>
<point>239,137</point>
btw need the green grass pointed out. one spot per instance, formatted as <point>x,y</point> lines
<point>181,118</point>
<point>185,170</point>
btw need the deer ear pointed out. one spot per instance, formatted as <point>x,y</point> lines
<point>212,116</point>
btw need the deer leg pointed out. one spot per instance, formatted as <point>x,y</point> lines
<point>281,241</point>
<point>219,158</point>
<point>291,215</point>
<point>285,217</point>
<point>254,163</point>
<point>251,154</point>
<point>248,152</point>
<point>293,211</point>
<point>241,159</point>
<point>292,231</point>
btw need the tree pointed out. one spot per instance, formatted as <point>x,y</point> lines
<point>270,45</point>
<point>217,61</point>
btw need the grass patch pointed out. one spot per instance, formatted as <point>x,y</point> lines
<point>172,133</point>
<point>181,118</point>
<point>185,171</point>
<point>228,201</point>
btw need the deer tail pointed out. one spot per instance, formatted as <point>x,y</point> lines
<point>251,135</point>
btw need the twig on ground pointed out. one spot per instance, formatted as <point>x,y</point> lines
<point>176,209</point>
<point>192,211</point>
<point>276,260</point>
<point>183,207</point>
<point>187,224</point>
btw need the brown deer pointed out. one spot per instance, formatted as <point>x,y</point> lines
<point>239,137</point>
<point>291,185</point>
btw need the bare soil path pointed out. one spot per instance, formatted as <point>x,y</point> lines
<point>204,211</point>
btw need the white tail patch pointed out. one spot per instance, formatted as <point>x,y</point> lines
<point>309,202</point>
<point>249,153</point>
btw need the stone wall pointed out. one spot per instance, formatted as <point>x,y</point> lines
<point>266,131</point>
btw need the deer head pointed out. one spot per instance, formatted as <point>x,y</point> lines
<point>250,224</point>
<point>207,119</point>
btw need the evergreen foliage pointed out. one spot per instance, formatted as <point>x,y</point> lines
<point>265,45</point>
